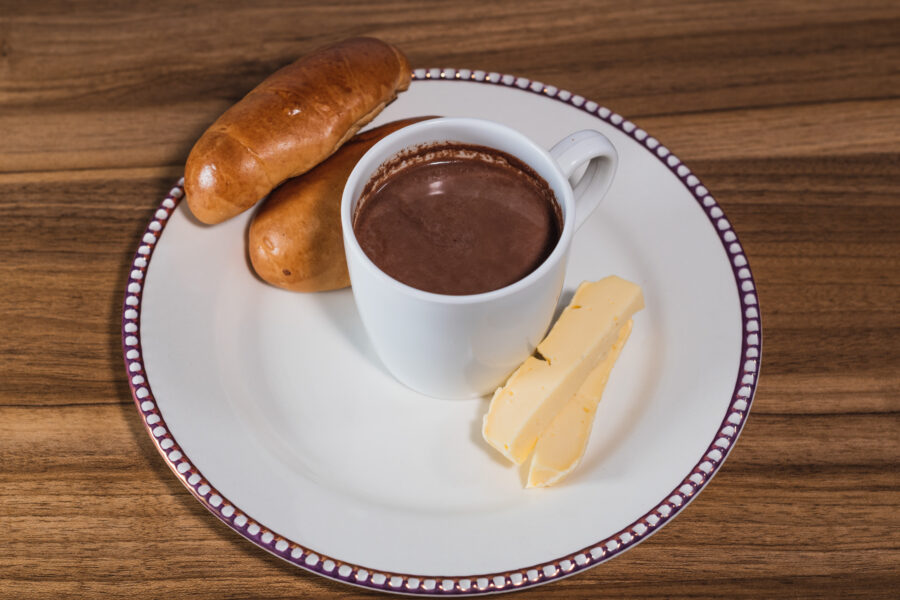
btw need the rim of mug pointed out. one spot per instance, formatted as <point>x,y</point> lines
<point>362,169</point>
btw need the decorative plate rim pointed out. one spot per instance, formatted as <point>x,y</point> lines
<point>405,583</point>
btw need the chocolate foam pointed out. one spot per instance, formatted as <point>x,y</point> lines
<point>457,219</point>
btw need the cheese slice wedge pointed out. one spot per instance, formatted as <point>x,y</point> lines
<point>562,445</point>
<point>522,409</point>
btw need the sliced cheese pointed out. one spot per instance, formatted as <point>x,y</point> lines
<point>561,446</point>
<point>535,393</point>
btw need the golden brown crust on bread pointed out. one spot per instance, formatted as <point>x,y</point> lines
<point>295,240</point>
<point>289,123</point>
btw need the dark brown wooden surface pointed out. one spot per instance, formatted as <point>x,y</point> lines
<point>789,112</point>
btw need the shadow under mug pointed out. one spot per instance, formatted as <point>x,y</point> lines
<point>459,347</point>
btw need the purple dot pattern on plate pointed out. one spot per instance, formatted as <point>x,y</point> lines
<point>603,550</point>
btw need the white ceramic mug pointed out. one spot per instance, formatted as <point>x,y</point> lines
<point>465,346</point>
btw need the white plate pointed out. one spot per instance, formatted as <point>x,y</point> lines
<point>273,410</point>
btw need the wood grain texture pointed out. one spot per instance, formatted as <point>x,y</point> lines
<point>788,111</point>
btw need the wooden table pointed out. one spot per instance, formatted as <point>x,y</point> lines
<point>789,111</point>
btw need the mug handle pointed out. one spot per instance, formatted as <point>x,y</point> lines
<point>572,152</point>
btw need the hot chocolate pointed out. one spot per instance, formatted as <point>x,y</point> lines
<point>457,219</point>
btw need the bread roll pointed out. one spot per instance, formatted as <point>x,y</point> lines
<point>295,239</point>
<point>289,123</point>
